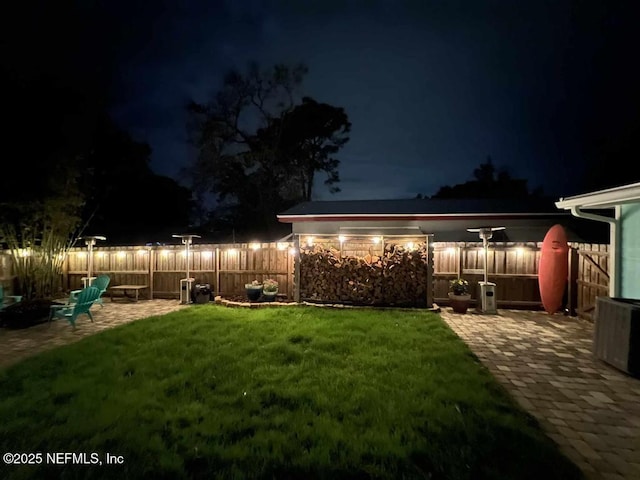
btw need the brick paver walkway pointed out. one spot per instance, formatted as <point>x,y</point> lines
<point>589,408</point>
<point>18,344</point>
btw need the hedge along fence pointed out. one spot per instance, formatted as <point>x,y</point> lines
<point>227,267</point>
<point>371,271</point>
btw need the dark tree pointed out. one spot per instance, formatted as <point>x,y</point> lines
<point>488,183</point>
<point>126,201</point>
<point>259,151</point>
<point>305,140</point>
<point>66,151</point>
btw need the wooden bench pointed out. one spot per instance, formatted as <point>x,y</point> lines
<point>125,288</point>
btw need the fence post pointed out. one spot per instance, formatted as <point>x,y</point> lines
<point>572,287</point>
<point>296,270</point>
<point>216,267</point>
<point>152,263</point>
<point>430,286</point>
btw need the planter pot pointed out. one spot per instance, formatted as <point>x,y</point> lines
<point>459,303</point>
<point>26,313</point>
<point>269,296</point>
<point>253,292</point>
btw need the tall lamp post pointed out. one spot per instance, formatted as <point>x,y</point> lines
<point>186,284</point>
<point>487,299</point>
<point>90,241</point>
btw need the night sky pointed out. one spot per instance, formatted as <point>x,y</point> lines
<point>431,87</point>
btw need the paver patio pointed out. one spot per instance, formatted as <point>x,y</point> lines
<point>589,408</point>
<point>16,345</point>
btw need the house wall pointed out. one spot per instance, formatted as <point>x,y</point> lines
<point>630,251</point>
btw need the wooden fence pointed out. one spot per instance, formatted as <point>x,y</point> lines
<point>514,269</point>
<point>589,276</point>
<point>227,267</point>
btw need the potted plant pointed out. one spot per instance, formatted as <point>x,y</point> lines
<point>270,290</point>
<point>459,295</point>
<point>254,290</point>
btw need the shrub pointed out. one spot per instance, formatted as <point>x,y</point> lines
<point>270,285</point>
<point>459,286</point>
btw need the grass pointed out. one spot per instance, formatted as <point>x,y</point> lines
<point>213,392</point>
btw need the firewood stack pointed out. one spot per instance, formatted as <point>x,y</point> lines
<point>398,278</point>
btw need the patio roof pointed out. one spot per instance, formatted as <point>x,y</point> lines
<point>418,209</point>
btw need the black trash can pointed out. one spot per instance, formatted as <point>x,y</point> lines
<point>201,293</point>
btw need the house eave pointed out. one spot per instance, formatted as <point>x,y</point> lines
<point>351,217</point>
<point>608,198</point>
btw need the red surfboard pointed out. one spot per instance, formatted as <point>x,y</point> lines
<point>553,269</point>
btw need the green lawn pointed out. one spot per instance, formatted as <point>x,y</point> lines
<point>214,392</point>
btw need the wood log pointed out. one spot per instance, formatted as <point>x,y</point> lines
<point>397,278</point>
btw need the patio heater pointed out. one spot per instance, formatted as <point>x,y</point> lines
<point>186,284</point>
<point>487,294</point>
<point>90,241</point>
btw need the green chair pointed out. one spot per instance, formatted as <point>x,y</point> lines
<point>101,283</point>
<point>84,300</point>
<point>3,298</point>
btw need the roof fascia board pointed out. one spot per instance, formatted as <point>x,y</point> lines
<point>608,198</point>
<point>403,216</point>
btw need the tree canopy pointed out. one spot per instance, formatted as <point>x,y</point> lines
<point>70,169</point>
<point>488,182</point>
<point>259,148</point>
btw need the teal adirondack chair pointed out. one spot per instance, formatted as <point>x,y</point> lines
<point>85,299</point>
<point>3,298</point>
<point>101,283</point>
